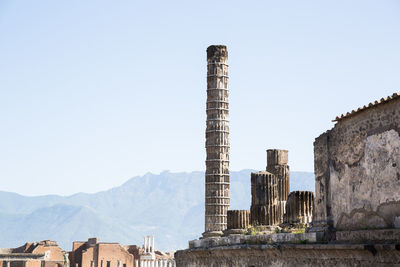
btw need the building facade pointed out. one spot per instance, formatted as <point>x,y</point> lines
<point>36,254</point>
<point>93,253</point>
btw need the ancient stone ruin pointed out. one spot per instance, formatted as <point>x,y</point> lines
<point>299,207</point>
<point>238,221</point>
<point>277,164</point>
<point>217,142</point>
<point>355,214</point>
<point>269,194</point>
<point>269,188</point>
<point>264,199</point>
<point>357,170</point>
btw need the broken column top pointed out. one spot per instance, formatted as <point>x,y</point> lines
<point>277,157</point>
<point>217,53</point>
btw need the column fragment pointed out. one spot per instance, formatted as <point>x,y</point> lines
<point>299,207</point>
<point>277,163</point>
<point>264,199</point>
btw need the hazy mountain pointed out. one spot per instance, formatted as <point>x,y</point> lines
<point>168,205</point>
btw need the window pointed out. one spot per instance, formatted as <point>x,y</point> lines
<point>91,263</point>
<point>119,264</point>
<point>101,263</point>
<point>108,263</point>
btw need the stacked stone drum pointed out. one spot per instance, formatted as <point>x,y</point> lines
<point>264,199</point>
<point>238,221</point>
<point>277,163</point>
<point>217,142</point>
<point>299,207</point>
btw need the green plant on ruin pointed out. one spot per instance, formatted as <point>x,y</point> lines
<point>252,230</point>
<point>299,231</point>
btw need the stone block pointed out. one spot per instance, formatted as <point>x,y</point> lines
<point>277,157</point>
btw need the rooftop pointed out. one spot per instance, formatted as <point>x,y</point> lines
<point>383,100</point>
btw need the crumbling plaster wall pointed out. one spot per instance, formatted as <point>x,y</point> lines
<point>357,169</point>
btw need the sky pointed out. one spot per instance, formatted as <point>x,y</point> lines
<point>95,92</point>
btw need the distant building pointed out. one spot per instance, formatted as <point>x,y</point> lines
<point>93,253</point>
<point>148,256</point>
<point>36,254</point>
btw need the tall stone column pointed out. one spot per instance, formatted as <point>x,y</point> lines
<point>217,142</point>
<point>277,163</point>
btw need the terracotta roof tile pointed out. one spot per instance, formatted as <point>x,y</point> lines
<point>372,104</point>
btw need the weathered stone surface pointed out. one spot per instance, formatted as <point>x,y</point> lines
<point>357,169</point>
<point>291,255</point>
<point>264,199</point>
<point>373,235</point>
<point>253,239</point>
<point>299,207</point>
<point>277,164</point>
<point>238,219</point>
<point>217,142</point>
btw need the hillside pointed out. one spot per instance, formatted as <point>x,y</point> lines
<point>168,205</point>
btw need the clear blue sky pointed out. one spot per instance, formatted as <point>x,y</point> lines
<point>95,92</point>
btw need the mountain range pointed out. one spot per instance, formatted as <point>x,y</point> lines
<point>167,205</point>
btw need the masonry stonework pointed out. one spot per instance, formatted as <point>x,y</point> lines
<point>217,142</point>
<point>357,175</point>
<point>277,163</point>
<point>299,207</point>
<point>278,255</point>
<point>264,199</point>
<point>357,169</point>
<point>93,253</point>
<point>238,221</point>
<point>44,253</point>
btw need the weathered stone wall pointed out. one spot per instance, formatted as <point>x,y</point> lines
<point>290,255</point>
<point>277,164</point>
<point>217,141</point>
<point>264,199</point>
<point>299,207</point>
<point>357,170</point>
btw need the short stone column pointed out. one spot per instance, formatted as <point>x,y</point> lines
<point>299,207</point>
<point>264,199</point>
<point>238,222</point>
